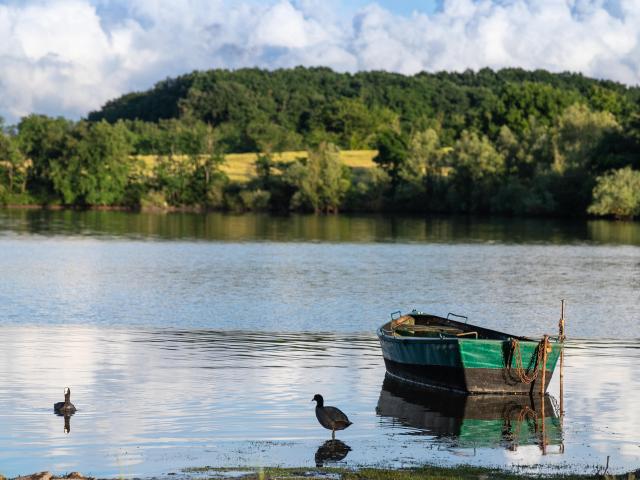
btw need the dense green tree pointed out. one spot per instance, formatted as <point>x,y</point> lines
<point>521,102</point>
<point>94,169</point>
<point>617,194</point>
<point>355,125</point>
<point>393,152</point>
<point>529,153</point>
<point>612,101</point>
<point>580,132</point>
<point>420,170</point>
<point>208,181</point>
<point>519,196</point>
<point>13,165</point>
<point>366,191</point>
<point>269,137</point>
<point>146,137</point>
<point>321,179</point>
<point>43,140</point>
<point>171,181</point>
<point>424,156</point>
<point>577,154</point>
<point>477,169</point>
<point>192,177</point>
<point>629,142</point>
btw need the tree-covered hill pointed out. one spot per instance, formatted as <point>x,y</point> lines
<point>302,106</point>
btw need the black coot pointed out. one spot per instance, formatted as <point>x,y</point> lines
<point>331,418</point>
<point>66,407</point>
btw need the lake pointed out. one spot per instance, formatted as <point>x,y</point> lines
<point>192,340</point>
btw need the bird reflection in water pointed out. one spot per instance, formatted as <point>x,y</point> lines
<point>331,451</point>
<point>473,420</point>
<point>67,423</point>
<point>65,409</point>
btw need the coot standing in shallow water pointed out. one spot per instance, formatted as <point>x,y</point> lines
<point>330,418</point>
<point>66,407</point>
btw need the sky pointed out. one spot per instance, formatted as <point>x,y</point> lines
<point>68,57</point>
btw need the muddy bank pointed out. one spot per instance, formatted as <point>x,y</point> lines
<point>431,472</point>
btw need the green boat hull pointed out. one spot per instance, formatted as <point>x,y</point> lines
<point>488,364</point>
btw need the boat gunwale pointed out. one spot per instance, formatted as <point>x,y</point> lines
<point>385,331</point>
<point>382,334</point>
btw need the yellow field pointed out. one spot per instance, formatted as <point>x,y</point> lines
<point>240,166</point>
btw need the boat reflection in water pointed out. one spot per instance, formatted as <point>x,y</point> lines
<point>331,451</point>
<point>473,420</point>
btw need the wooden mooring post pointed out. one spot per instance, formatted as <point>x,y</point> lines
<point>561,338</point>
<point>545,345</point>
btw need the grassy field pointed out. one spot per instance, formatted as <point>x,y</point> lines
<point>240,166</point>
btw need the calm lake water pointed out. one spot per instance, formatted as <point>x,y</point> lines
<point>192,340</point>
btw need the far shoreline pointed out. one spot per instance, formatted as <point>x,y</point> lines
<point>205,210</point>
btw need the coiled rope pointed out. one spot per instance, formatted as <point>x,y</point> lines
<point>523,373</point>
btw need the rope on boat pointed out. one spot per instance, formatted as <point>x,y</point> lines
<point>523,373</point>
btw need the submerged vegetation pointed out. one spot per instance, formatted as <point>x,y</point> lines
<point>309,139</point>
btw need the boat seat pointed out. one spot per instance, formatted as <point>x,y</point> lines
<point>427,331</point>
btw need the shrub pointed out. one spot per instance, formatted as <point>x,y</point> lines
<point>617,193</point>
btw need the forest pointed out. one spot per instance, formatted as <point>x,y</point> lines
<point>507,142</point>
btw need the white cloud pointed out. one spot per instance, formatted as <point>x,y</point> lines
<point>67,57</point>
<point>283,26</point>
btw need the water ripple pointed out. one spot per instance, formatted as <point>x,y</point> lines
<point>243,398</point>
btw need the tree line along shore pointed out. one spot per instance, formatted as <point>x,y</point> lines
<point>509,142</point>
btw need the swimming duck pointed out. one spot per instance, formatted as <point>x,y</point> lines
<point>66,407</point>
<point>330,418</point>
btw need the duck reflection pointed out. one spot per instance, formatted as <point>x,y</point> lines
<point>331,451</point>
<point>67,421</point>
<point>472,420</point>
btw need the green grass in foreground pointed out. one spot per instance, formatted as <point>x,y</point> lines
<point>422,473</point>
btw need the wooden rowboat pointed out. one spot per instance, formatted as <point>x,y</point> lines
<point>445,353</point>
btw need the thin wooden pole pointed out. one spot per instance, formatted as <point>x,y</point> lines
<point>562,337</point>
<point>561,320</point>
<point>544,438</point>
<point>545,344</point>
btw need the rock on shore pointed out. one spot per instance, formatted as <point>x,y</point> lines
<point>50,476</point>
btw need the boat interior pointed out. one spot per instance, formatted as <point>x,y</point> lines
<point>432,326</point>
